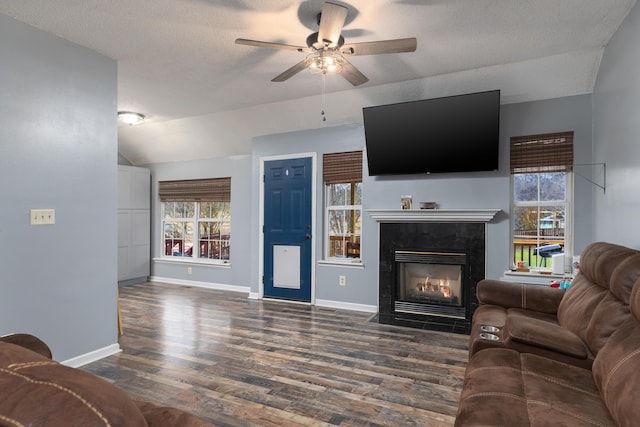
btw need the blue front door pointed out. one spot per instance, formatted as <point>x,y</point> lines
<point>287,229</point>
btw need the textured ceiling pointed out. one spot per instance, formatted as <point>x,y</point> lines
<point>177,60</point>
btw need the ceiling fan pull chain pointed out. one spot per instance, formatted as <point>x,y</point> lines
<point>324,80</point>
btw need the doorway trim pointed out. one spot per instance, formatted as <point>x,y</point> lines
<point>314,237</point>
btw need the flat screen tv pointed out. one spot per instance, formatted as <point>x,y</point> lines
<point>452,134</point>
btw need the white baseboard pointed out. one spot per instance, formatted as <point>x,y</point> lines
<point>346,305</point>
<point>207,285</point>
<point>92,356</point>
<point>255,295</point>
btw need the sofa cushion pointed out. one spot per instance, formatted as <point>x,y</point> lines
<point>44,392</point>
<point>503,387</point>
<point>569,348</point>
<point>518,295</point>
<point>578,304</point>
<point>616,368</point>
<point>624,278</point>
<point>530,314</point>
<point>596,303</point>
<point>30,342</point>
<point>546,334</point>
<point>613,310</point>
<point>607,317</point>
<point>493,391</point>
<point>600,259</point>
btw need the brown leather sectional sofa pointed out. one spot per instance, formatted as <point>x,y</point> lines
<point>548,357</point>
<point>36,391</point>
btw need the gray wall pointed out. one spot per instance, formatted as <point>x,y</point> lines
<point>478,190</point>
<point>239,169</point>
<point>450,191</point>
<point>58,149</point>
<point>557,115</point>
<point>320,141</point>
<point>616,126</point>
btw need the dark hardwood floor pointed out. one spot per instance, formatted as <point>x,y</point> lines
<point>241,362</point>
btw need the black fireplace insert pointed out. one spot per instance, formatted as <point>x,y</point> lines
<point>428,273</point>
<point>430,283</point>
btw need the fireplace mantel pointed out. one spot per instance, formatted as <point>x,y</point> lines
<point>433,215</point>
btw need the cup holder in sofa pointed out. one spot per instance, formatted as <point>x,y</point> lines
<point>487,328</point>
<point>490,337</point>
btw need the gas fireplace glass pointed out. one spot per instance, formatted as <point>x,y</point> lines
<point>430,283</point>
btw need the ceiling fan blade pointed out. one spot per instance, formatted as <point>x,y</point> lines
<point>352,74</point>
<point>257,43</point>
<point>331,23</point>
<point>380,47</point>
<point>291,71</point>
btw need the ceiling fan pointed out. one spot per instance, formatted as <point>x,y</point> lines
<point>326,49</point>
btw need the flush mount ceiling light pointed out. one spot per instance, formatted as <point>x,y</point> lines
<point>130,117</point>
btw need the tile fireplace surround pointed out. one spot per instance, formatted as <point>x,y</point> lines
<point>461,231</point>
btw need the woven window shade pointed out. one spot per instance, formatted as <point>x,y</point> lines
<point>342,167</point>
<point>196,190</point>
<point>552,152</point>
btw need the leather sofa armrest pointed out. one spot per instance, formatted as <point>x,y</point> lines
<point>541,333</point>
<point>29,342</point>
<point>517,295</point>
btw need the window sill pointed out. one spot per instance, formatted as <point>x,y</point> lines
<point>341,263</point>
<point>182,260</point>
<point>533,277</point>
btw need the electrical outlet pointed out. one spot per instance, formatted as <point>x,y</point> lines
<point>42,216</point>
<point>343,281</point>
<point>189,271</point>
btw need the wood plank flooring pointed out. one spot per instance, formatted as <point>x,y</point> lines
<point>240,362</point>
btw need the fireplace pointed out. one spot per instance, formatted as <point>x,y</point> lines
<point>429,265</point>
<point>430,283</point>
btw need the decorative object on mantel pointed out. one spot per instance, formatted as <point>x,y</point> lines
<point>428,205</point>
<point>406,202</point>
<point>433,215</point>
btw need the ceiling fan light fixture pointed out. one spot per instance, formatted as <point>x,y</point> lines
<point>130,118</point>
<point>325,62</point>
<point>326,47</point>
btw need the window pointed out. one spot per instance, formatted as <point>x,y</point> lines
<point>541,176</point>
<point>196,213</point>
<point>342,174</point>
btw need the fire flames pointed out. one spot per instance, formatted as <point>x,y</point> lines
<point>442,288</point>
